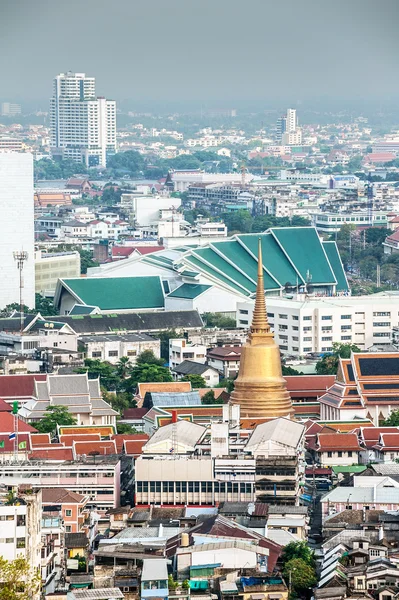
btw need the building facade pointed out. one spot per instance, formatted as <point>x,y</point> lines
<point>83,127</point>
<point>16,228</point>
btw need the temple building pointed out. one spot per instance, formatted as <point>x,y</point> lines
<point>260,388</point>
<point>366,387</point>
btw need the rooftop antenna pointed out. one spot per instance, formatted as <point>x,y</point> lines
<point>21,257</point>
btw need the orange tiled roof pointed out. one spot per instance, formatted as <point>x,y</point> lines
<point>338,441</point>
<point>102,447</point>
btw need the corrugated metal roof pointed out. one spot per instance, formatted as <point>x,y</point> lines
<point>176,399</point>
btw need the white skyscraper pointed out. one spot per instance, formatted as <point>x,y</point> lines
<point>83,127</point>
<point>292,135</point>
<point>16,227</point>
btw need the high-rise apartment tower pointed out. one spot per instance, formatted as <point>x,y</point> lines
<point>83,127</point>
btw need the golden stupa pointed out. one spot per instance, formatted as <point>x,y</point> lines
<point>260,388</point>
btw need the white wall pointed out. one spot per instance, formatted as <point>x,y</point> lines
<point>146,208</point>
<point>16,227</point>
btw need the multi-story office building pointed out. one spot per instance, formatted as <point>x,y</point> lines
<point>83,127</point>
<point>311,324</point>
<point>53,266</point>
<point>9,109</point>
<point>16,228</point>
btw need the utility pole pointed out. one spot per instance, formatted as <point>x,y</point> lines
<point>21,257</point>
<point>378,275</point>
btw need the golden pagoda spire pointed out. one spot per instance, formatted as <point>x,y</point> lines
<point>260,388</point>
<point>260,323</point>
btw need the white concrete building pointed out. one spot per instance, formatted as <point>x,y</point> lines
<point>10,109</point>
<point>311,324</point>
<point>21,528</point>
<point>16,228</point>
<point>181,349</point>
<point>83,127</point>
<point>146,210</point>
<point>53,266</point>
<point>112,347</point>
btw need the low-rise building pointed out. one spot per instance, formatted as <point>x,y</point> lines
<point>189,367</point>
<point>53,266</point>
<point>181,350</point>
<point>337,449</point>
<point>112,347</point>
<point>225,359</point>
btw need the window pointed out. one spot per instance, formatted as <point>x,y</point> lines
<point>346,316</point>
<point>307,339</point>
<point>113,353</point>
<point>382,324</point>
<point>326,339</point>
<point>350,454</point>
<point>295,328</point>
<point>68,512</point>
<point>132,352</point>
<point>6,517</point>
<point>307,329</point>
<point>326,348</point>
<point>269,314</point>
<point>21,520</point>
<point>21,543</point>
<point>283,327</point>
<point>295,317</point>
<point>346,337</point>
<point>307,349</point>
<point>326,318</point>
<point>307,318</point>
<point>68,528</point>
<point>96,354</point>
<point>339,454</point>
<point>381,314</point>
<point>283,316</point>
<point>283,347</point>
<point>382,334</point>
<point>329,454</point>
<point>345,327</point>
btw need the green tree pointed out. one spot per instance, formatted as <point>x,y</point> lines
<point>118,400</point>
<point>164,337</point>
<point>196,381</point>
<point>328,365</point>
<point>218,320</point>
<point>228,384</point>
<point>111,195</point>
<point>105,371</point>
<point>298,550</point>
<point>123,367</point>
<point>209,398</point>
<point>131,162</point>
<point>44,306</point>
<point>144,373</point>
<point>18,580</point>
<point>392,420</point>
<point>290,371</point>
<point>125,428</point>
<point>300,574</point>
<point>376,235</point>
<point>53,416</point>
<point>86,260</point>
<point>147,357</point>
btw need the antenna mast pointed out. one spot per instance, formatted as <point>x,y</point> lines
<point>21,257</point>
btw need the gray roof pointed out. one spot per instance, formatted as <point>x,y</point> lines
<point>131,322</point>
<point>389,469</point>
<point>281,430</point>
<point>70,400</point>
<point>366,495</point>
<point>41,390</point>
<point>94,388</point>
<point>189,367</point>
<point>175,398</point>
<point>114,337</point>
<point>187,434</point>
<point>279,509</point>
<point>62,385</point>
<point>154,568</point>
<point>98,594</point>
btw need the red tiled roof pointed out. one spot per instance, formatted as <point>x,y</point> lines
<point>102,447</point>
<point>134,413</point>
<point>148,249</point>
<point>68,440</point>
<point>23,438</point>
<point>226,353</point>
<point>373,433</point>
<point>389,441</point>
<point>394,237</point>
<point>19,386</point>
<point>134,447</point>
<point>379,157</point>
<point>4,406</point>
<point>122,437</point>
<point>38,439</point>
<point>7,424</point>
<point>318,471</point>
<point>60,496</point>
<point>338,441</point>
<point>313,385</point>
<point>56,454</point>
<point>395,219</point>
<point>124,251</point>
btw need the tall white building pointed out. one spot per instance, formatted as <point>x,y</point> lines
<point>16,227</point>
<point>292,134</point>
<point>83,127</point>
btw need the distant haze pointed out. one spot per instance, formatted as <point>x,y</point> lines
<point>203,52</point>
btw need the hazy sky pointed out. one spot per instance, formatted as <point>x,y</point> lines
<point>204,51</point>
